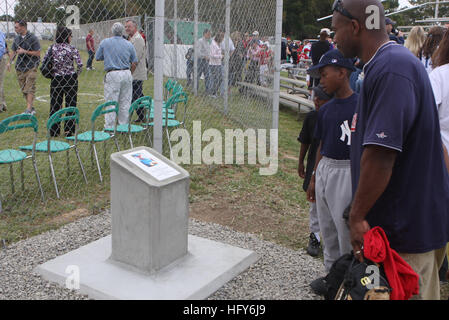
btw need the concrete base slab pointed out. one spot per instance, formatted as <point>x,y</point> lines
<point>207,266</point>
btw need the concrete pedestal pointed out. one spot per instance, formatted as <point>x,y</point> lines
<point>150,254</point>
<point>150,209</point>
<point>206,267</point>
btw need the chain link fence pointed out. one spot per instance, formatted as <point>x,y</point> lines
<point>221,53</point>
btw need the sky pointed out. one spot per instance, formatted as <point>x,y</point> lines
<point>11,4</point>
<point>404,3</point>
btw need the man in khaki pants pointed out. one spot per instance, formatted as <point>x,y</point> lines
<point>140,73</point>
<point>399,174</point>
<point>3,63</point>
<point>27,48</point>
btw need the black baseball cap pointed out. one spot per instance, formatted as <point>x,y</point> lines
<point>331,58</point>
<point>389,21</point>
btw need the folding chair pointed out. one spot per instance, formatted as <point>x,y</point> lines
<point>100,136</point>
<point>166,121</point>
<point>143,102</point>
<point>51,146</point>
<point>169,85</point>
<point>10,156</point>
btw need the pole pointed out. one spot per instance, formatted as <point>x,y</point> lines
<point>7,19</point>
<point>175,40</point>
<point>195,52</point>
<point>437,8</point>
<point>226,61</point>
<point>158,74</point>
<point>277,65</point>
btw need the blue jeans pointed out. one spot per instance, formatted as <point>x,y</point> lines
<point>91,58</point>
<point>203,68</point>
<point>215,79</point>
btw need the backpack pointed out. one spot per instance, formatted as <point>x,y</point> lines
<point>47,65</point>
<point>336,275</point>
<point>359,282</point>
<point>348,279</point>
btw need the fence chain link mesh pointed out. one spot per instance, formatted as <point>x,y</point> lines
<point>234,90</point>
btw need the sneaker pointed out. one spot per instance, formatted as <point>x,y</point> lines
<point>319,286</point>
<point>88,68</point>
<point>313,248</point>
<point>33,111</point>
<point>27,111</point>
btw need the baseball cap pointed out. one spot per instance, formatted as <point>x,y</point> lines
<point>389,21</point>
<point>326,30</point>
<point>331,58</point>
<point>320,93</point>
<point>255,33</point>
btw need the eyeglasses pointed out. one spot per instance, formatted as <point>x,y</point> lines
<point>338,6</point>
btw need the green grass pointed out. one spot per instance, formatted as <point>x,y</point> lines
<point>24,215</point>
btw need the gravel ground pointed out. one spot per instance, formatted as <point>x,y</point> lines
<point>280,273</point>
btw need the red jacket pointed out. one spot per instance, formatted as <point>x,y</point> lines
<point>401,277</point>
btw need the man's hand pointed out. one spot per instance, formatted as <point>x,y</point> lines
<point>357,229</point>
<point>311,190</point>
<point>301,171</point>
<point>8,66</point>
<point>21,51</point>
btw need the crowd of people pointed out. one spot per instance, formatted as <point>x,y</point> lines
<point>250,58</point>
<point>376,146</point>
<point>124,56</point>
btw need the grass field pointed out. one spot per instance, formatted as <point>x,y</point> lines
<point>273,207</point>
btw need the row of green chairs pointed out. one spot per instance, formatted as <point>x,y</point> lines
<point>51,146</point>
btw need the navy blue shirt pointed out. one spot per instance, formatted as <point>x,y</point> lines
<point>396,109</point>
<point>333,127</point>
<point>306,136</point>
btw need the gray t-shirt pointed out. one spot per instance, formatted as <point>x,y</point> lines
<point>29,42</point>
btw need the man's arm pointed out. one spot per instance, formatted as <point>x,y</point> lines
<point>302,155</point>
<point>376,168</point>
<point>29,52</point>
<point>311,188</point>
<point>446,157</point>
<point>133,67</point>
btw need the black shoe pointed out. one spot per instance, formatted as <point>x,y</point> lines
<point>138,120</point>
<point>313,248</point>
<point>319,286</point>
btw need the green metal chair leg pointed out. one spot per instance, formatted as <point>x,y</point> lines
<point>11,171</point>
<point>98,163</point>
<point>38,180</point>
<point>81,164</point>
<point>22,178</point>
<point>68,163</point>
<point>52,170</point>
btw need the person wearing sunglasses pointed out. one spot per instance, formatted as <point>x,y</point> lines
<point>400,180</point>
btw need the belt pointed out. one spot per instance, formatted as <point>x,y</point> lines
<point>116,70</point>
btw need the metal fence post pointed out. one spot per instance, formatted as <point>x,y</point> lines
<point>175,40</point>
<point>158,73</point>
<point>277,65</point>
<point>226,58</point>
<point>195,49</point>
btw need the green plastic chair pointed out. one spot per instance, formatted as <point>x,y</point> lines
<point>10,156</point>
<point>51,146</point>
<point>166,121</point>
<point>169,85</point>
<point>94,136</point>
<point>143,102</point>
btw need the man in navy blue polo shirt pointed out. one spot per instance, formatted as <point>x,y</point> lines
<point>399,178</point>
